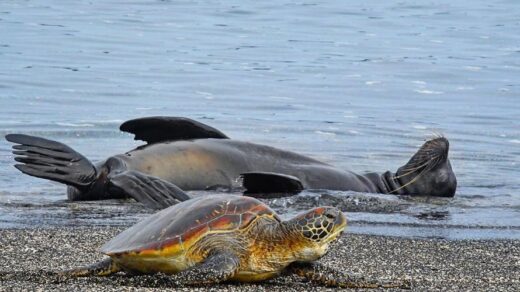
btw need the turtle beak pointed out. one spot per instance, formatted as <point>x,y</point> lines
<point>341,220</point>
<point>340,223</point>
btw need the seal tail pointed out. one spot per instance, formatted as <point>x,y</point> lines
<point>52,160</point>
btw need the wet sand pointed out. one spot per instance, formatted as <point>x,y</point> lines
<point>430,264</point>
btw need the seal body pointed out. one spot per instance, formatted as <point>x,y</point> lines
<point>182,154</point>
<point>209,163</point>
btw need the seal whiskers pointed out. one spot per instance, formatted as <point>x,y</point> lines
<point>413,169</point>
<point>427,173</point>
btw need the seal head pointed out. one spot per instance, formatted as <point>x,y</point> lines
<point>427,173</point>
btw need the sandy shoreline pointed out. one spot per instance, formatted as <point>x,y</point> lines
<point>431,264</point>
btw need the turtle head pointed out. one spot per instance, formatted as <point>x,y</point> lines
<point>316,229</point>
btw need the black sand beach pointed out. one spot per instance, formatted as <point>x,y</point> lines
<point>430,264</point>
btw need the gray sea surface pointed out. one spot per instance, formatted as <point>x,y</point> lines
<point>359,84</point>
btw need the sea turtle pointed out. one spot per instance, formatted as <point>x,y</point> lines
<point>216,238</point>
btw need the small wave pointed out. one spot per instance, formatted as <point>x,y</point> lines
<point>281,97</point>
<point>450,226</point>
<point>426,91</point>
<point>74,125</point>
<point>509,49</point>
<point>346,201</point>
<point>114,121</point>
<point>325,133</point>
<point>419,127</point>
<point>204,93</point>
<point>473,68</point>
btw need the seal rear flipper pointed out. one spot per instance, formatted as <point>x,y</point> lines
<point>270,184</point>
<point>161,129</point>
<point>52,160</point>
<point>151,191</point>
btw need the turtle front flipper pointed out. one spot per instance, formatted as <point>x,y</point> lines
<point>330,277</point>
<point>105,267</point>
<point>151,191</point>
<point>217,268</point>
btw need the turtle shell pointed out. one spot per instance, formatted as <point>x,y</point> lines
<point>179,226</point>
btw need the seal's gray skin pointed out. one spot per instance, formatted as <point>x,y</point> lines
<point>183,154</point>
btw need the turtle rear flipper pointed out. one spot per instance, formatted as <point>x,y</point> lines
<point>329,277</point>
<point>52,160</point>
<point>217,268</point>
<point>151,191</point>
<point>105,267</point>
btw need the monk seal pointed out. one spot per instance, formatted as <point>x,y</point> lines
<point>182,154</point>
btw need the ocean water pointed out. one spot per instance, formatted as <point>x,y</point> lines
<point>359,84</point>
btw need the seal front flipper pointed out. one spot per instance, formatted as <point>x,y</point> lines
<point>151,191</point>
<point>161,129</point>
<point>270,184</point>
<point>52,160</point>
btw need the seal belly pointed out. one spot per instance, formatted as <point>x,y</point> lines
<point>206,163</point>
<point>188,164</point>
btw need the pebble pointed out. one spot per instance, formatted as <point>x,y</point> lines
<point>430,264</point>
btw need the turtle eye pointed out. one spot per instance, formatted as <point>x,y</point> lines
<point>330,216</point>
